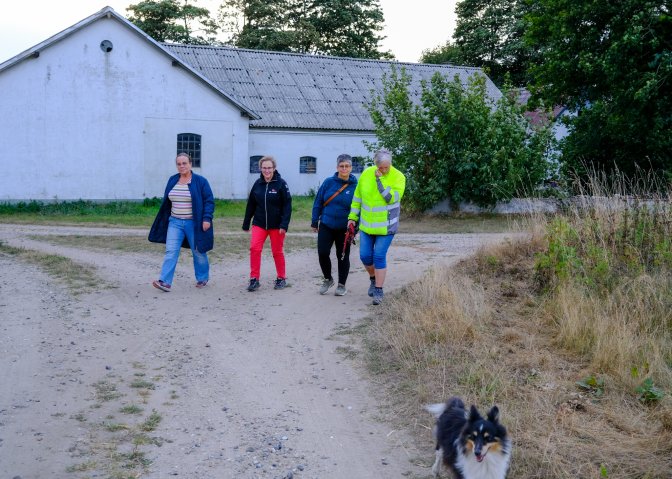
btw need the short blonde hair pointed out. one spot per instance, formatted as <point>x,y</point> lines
<point>268,158</point>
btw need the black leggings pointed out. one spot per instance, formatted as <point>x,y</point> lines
<point>325,238</point>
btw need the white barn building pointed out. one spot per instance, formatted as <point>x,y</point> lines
<point>99,111</point>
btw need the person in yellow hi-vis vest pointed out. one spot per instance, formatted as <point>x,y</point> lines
<point>376,205</point>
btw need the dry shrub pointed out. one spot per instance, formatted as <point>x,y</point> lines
<point>461,332</point>
<point>631,328</point>
<point>433,324</point>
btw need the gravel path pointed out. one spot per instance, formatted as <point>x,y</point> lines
<point>247,385</point>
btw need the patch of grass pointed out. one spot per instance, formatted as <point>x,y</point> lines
<point>226,246</point>
<point>228,213</point>
<point>114,426</point>
<point>460,223</point>
<point>82,467</point>
<point>116,448</point>
<point>347,351</point>
<point>228,217</point>
<point>131,409</point>
<point>79,278</point>
<point>142,384</point>
<point>106,391</point>
<point>151,422</point>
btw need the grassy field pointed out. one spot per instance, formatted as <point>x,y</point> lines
<point>569,332</point>
<point>228,216</point>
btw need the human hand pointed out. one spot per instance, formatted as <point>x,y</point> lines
<point>314,229</point>
<point>351,223</point>
<point>378,173</point>
<point>282,232</point>
<point>206,225</point>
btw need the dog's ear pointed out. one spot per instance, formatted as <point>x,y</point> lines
<point>493,415</point>
<point>474,414</point>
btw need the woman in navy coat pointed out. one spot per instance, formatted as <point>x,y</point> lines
<point>184,221</point>
<point>330,221</point>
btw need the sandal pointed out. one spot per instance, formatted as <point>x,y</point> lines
<point>201,284</point>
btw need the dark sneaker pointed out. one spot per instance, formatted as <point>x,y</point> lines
<point>158,284</point>
<point>372,287</point>
<point>340,290</point>
<point>201,284</point>
<point>280,283</point>
<point>378,296</point>
<point>326,284</point>
<point>254,284</point>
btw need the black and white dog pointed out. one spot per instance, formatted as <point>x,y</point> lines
<point>471,446</point>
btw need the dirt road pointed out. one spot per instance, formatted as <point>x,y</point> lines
<point>224,383</point>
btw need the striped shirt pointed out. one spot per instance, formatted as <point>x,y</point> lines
<point>180,197</point>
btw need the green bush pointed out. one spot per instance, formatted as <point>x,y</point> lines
<point>455,144</point>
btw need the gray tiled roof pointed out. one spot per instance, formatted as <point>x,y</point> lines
<point>289,90</point>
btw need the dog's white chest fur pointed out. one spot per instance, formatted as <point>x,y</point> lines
<point>493,466</point>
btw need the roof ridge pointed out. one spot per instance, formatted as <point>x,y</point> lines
<point>317,55</point>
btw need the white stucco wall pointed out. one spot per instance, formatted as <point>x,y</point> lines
<point>80,123</point>
<point>288,146</point>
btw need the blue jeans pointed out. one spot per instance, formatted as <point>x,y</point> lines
<point>373,249</point>
<point>177,230</point>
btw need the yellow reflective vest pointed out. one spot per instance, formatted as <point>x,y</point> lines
<point>377,201</point>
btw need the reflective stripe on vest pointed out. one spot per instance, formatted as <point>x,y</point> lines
<point>383,224</point>
<point>377,209</point>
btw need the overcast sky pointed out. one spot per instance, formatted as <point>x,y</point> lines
<point>410,25</point>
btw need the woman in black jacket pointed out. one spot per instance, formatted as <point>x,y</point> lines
<point>269,207</point>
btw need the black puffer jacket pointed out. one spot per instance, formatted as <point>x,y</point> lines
<point>269,205</point>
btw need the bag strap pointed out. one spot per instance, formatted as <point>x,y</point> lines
<point>335,194</point>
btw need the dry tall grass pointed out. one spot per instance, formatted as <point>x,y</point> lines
<point>587,298</point>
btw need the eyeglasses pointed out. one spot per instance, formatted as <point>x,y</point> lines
<point>267,168</point>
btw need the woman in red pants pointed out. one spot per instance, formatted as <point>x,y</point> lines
<point>269,208</point>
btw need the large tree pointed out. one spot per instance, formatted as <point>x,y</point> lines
<point>612,63</point>
<point>490,34</point>
<point>443,54</point>
<point>332,27</point>
<point>174,21</point>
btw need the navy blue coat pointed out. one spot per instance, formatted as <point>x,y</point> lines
<point>269,205</point>
<point>203,208</point>
<point>335,214</point>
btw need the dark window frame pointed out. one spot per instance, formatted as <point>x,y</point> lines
<point>190,143</point>
<point>307,165</point>
<point>358,164</point>
<point>254,164</point>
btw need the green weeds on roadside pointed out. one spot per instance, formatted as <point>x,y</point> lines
<point>79,278</point>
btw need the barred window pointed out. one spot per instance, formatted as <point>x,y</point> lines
<point>358,163</point>
<point>308,164</point>
<point>190,143</point>
<point>254,164</point>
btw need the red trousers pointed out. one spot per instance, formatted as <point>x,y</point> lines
<point>257,241</point>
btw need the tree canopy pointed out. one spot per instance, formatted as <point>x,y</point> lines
<point>611,62</point>
<point>331,27</point>
<point>174,21</point>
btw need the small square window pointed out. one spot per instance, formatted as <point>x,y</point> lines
<point>254,164</point>
<point>358,163</point>
<point>190,143</point>
<point>308,165</point>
